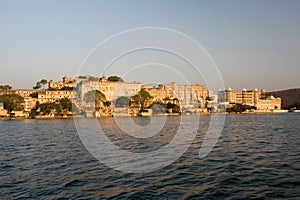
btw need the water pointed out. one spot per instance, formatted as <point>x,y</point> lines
<point>257,156</point>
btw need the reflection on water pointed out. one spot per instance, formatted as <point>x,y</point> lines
<point>256,156</point>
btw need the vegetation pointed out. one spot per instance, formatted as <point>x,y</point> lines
<point>90,78</point>
<point>115,79</point>
<point>142,97</point>
<point>106,103</point>
<point>47,108</point>
<point>288,97</point>
<point>61,107</point>
<point>122,102</point>
<point>158,108</point>
<point>209,98</point>
<point>5,87</point>
<point>43,82</point>
<point>67,88</point>
<point>239,108</point>
<point>95,96</point>
<point>174,107</point>
<point>34,95</point>
<point>12,102</point>
<point>295,105</point>
<point>37,86</point>
<point>40,84</point>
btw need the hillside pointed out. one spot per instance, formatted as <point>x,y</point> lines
<point>288,97</point>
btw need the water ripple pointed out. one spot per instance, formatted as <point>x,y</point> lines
<point>257,156</point>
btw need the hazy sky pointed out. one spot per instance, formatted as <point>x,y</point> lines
<point>253,43</point>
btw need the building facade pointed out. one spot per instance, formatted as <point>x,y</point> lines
<point>250,97</point>
<point>22,93</point>
<point>112,90</point>
<point>3,112</point>
<point>48,96</point>
<point>65,82</point>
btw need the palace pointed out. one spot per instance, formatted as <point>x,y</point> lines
<point>256,98</point>
<point>66,82</point>
<point>187,95</point>
<point>112,90</point>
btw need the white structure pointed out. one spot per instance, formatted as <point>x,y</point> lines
<point>112,90</point>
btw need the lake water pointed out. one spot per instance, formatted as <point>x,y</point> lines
<point>257,156</point>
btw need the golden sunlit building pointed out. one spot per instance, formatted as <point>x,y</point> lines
<point>65,82</point>
<point>250,97</point>
<point>47,96</point>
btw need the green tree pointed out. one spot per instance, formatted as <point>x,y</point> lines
<point>38,85</point>
<point>43,82</point>
<point>158,108</point>
<point>209,98</point>
<point>175,108</point>
<point>65,105</point>
<point>48,108</point>
<point>5,87</point>
<point>142,97</point>
<point>34,95</point>
<point>115,79</point>
<point>95,96</point>
<point>12,102</point>
<point>239,108</point>
<point>122,102</point>
<point>106,103</point>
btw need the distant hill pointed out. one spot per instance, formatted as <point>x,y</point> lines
<point>288,97</point>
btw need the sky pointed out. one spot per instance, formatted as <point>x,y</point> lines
<point>254,44</point>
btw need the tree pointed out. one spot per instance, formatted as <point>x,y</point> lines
<point>175,108</point>
<point>122,102</point>
<point>34,95</point>
<point>142,97</point>
<point>239,108</point>
<point>115,79</point>
<point>95,96</point>
<point>65,105</point>
<point>209,98</point>
<point>5,87</point>
<point>12,102</point>
<point>48,108</point>
<point>106,103</point>
<point>37,85</point>
<point>158,108</point>
<point>60,107</point>
<point>43,82</point>
<point>37,105</point>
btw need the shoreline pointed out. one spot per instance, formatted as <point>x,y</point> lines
<point>42,117</point>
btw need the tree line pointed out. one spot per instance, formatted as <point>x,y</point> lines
<point>5,87</point>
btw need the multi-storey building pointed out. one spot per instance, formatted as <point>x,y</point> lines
<point>187,95</point>
<point>250,97</point>
<point>190,95</point>
<point>22,93</point>
<point>47,96</point>
<point>112,90</point>
<point>160,92</point>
